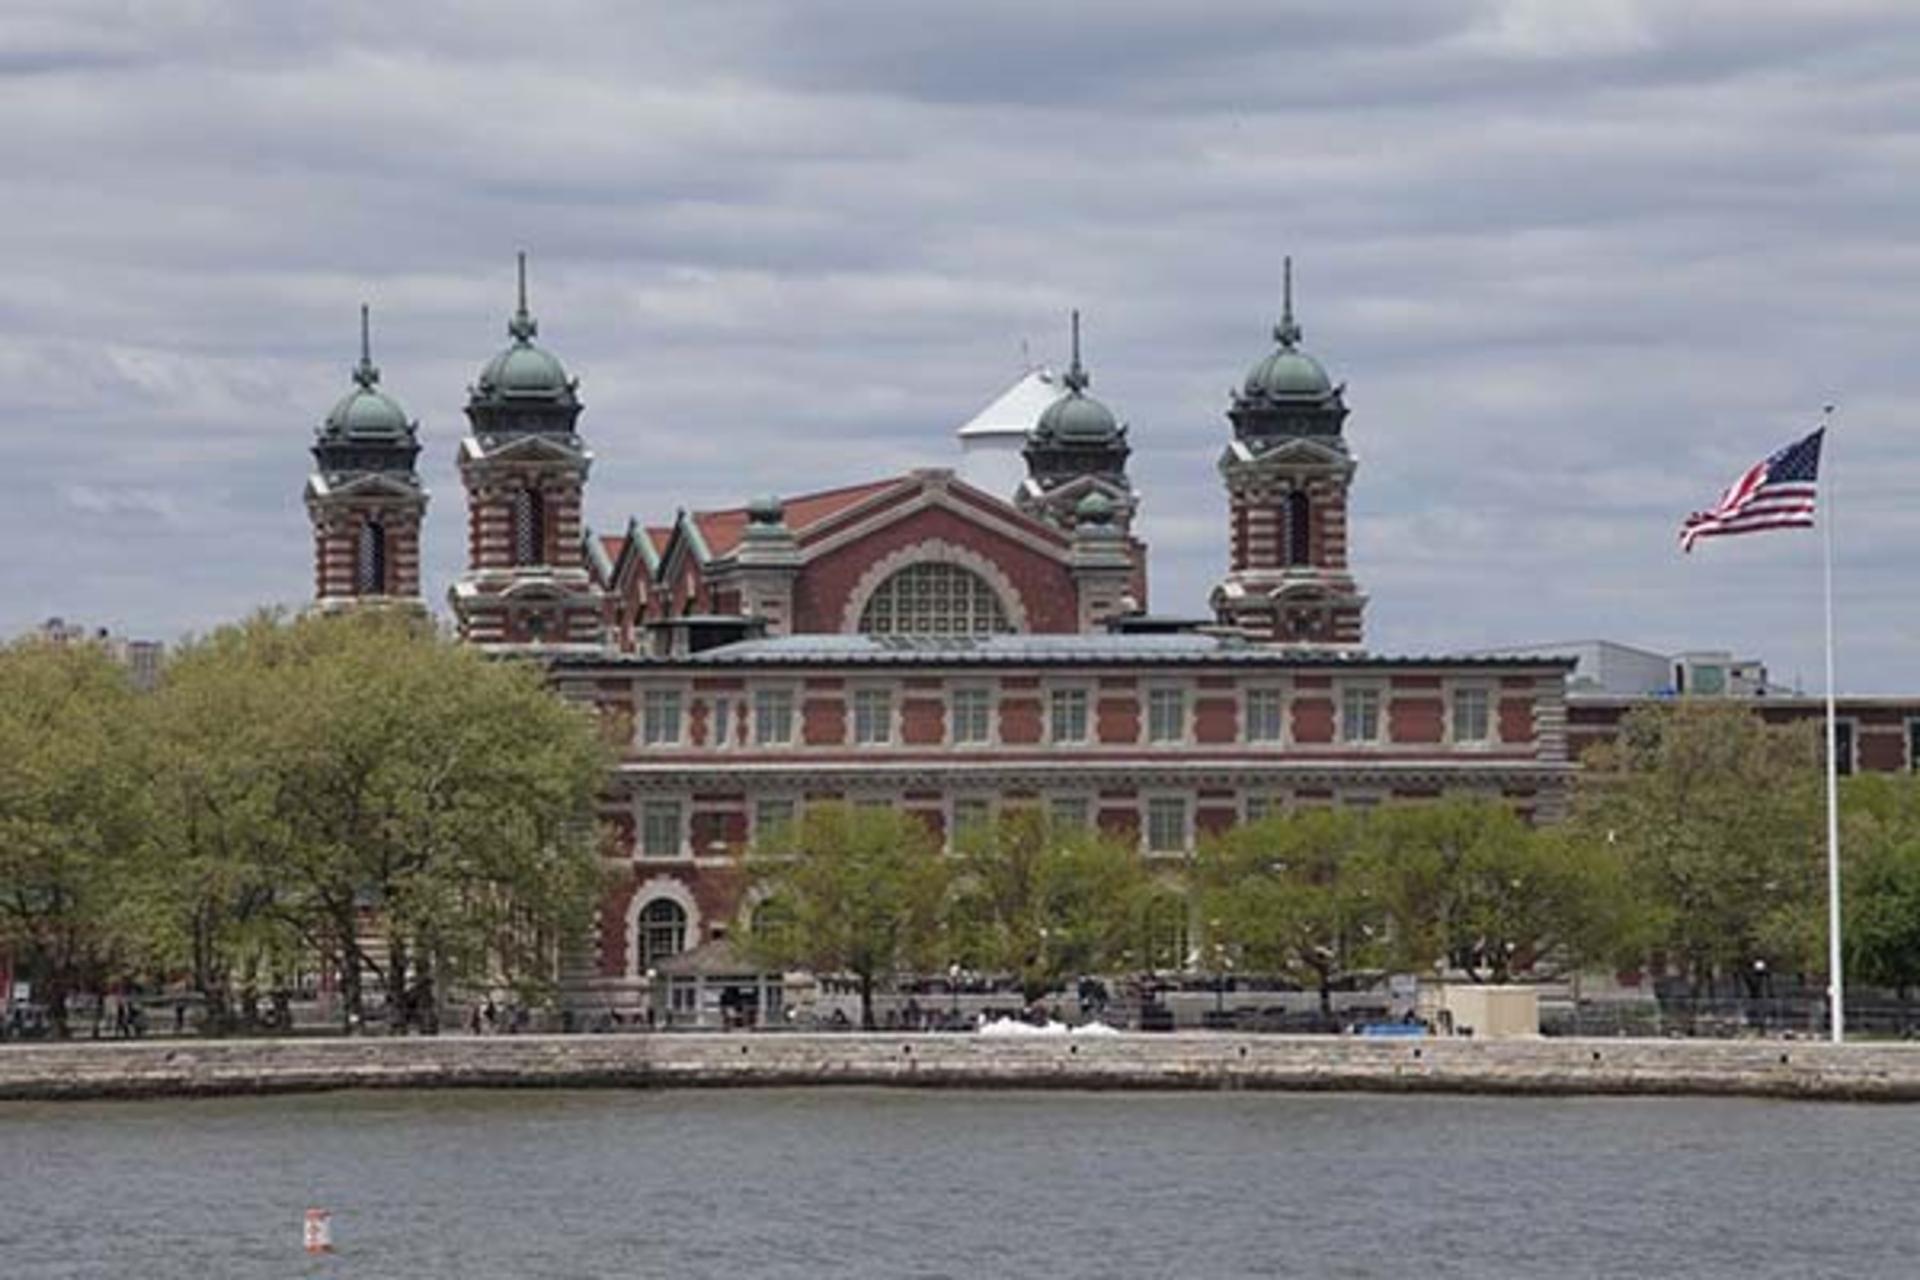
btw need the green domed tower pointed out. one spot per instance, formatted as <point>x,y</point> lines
<point>1077,448</point>
<point>527,585</point>
<point>1288,470</point>
<point>364,498</point>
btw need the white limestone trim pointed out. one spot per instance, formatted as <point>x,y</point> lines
<point>652,890</point>
<point>935,551</point>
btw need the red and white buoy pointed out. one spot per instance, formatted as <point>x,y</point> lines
<point>318,1231</point>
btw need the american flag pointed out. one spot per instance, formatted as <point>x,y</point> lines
<point>1775,494</point>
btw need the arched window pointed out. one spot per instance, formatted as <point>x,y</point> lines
<point>370,560</point>
<point>772,921</point>
<point>1299,530</point>
<point>933,598</point>
<point>529,527</point>
<point>663,932</point>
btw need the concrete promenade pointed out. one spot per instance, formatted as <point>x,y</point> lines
<point>1771,1068</point>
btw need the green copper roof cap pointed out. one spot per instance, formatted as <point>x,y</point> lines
<point>1095,508</point>
<point>1288,373</point>
<point>524,371</point>
<point>1077,418</point>
<point>766,517</point>
<point>367,415</point>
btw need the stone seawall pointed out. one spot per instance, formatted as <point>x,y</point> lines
<point>1783,1069</point>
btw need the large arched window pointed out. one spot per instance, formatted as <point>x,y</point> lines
<point>529,527</point>
<point>933,598</point>
<point>1299,551</point>
<point>663,932</point>
<point>370,560</point>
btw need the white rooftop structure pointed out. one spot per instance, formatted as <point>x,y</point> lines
<point>991,443</point>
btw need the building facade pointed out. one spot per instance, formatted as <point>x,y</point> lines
<point>921,642</point>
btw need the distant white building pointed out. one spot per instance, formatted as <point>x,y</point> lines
<point>991,443</point>
<point>1608,669</point>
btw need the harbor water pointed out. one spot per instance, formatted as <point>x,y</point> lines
<point>898,1183</point>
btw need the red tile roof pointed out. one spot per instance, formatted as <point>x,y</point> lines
<point>724,529</point>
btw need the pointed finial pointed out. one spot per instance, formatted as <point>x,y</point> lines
<point>364,373</point>
<point>1076,378</point>
<point>523,327</point>
<point>1287,332</point>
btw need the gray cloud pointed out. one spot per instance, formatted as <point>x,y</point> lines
<point>1580,262</point>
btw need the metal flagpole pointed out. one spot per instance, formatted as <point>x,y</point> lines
<point>1836,987</point>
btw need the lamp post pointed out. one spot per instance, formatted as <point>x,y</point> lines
<point>953,990</point>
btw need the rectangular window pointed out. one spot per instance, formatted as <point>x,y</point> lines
<point>660,718</point>
<point>722,723</point>
<point>1262,804</point>
<point>1843,747</point>
<point>772,717</point>
<point>1166,715</point>
<point>1359,714</point>
<point>1069,813</point>
<point>1067,715</point>
<point>772,819</point>
<point>1166,824</point>
<point>1913,744</point>
<point>969,717</point>
<point>872,716</point>
<point>971,813</point>
<point>1266,712</point>
<point>1472,720</point>
<point>660,829</point>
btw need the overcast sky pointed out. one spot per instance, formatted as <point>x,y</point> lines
<point>1579,262</point>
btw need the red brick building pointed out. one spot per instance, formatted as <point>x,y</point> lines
<point>916,642</point>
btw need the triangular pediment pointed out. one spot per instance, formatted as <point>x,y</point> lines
<point>939,490</point>
<point>369,484</point>
<point>531,447</point>
<point>1293,454</point>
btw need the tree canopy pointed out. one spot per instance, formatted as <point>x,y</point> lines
<point>348,792</point>
<point>849,889</point>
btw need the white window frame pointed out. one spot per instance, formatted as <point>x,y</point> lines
<point>1085,694</point>
<point>1278,693</point>
<point>644,731</point>
<point>1184,733</point>
<point>890,724</point>
<point>954,803</point>
<point>1379,714</point>
<point>1258,805</point>
<point>681,816</point>
<point>723,710</point>
<point>1090,811</point>
<point>990,727</point>
<point>760,825</point>
<point>792,713</point>
<point>1147,803</point>
<point>1490,736</point>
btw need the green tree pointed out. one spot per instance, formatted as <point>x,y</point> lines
<point>71,758</point>
<point>213,822</point>
<point>1042,902</point>
<point>400,805</point>
<point>1881,881</point>
<point>1716,815</point>
<point>1288,894</point>
<point>858,891</point>
<point>1468,884</point>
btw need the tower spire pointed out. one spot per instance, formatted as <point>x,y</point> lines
<point>523,327</point>
<point>1288,331</point>
<point>365,373</point>
<point>1076,378</point>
